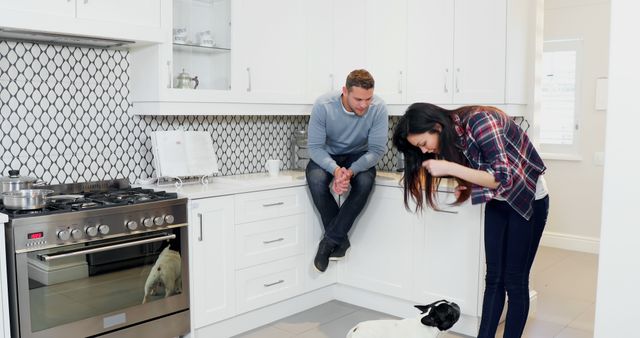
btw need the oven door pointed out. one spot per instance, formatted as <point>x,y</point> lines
<point>59,295</point>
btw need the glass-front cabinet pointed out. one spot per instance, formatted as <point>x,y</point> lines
<point>192,67</point>
<point>201,43</point>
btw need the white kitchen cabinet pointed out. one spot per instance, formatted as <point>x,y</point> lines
<point>315,231</point>
<point>270,282</point>
<point>381,255</point>
<point>479,51</point>
<point>430,51</point>
<point>386,47</point>
<point>269,240</point>
<point>139,21</point>
<point>145,13</point>
<point>212,257</point>
<point>271,50</point>
<point>353,34</point>
<point>198,44</point>
<point>456,54</point>
<point>448,256</point>
<point>520,54</point>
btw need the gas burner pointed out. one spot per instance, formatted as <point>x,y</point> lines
<point>75,197</point>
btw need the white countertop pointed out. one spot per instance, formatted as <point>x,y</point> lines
<point>237,184</point>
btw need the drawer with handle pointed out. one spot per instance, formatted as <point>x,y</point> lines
<point>269,283</point>
<point>269,240</point>
<point>269,204</point>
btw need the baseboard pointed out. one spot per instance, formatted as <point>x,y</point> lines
<point>265,315</point>
<point>571,242</point>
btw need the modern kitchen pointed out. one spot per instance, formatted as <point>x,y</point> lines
<point>153,157</point>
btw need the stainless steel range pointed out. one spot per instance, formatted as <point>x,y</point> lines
<point>101,259</point>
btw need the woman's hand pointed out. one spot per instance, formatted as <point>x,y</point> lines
<point>438,168</point>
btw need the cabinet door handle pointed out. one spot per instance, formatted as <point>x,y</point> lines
<point>400,83</point>
<point>272,204</point>
<point>457,80</point>
<point>274,240</point>
<point>446,211</point>
<point>446,80</point>
<point>331,84</point>
<point>249,77</point>
<point>200,234</point>
<point>274,283</point>
<point>170,75</point>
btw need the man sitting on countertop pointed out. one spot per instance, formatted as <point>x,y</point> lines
<point>347,137</point>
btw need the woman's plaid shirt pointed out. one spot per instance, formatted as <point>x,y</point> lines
<point>493,142</point>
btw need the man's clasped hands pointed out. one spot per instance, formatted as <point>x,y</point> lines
<point>341,178</point>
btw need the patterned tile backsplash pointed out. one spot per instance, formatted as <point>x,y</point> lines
<point>64,118</point>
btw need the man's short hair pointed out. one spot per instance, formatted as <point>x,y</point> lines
<point>360,78</point>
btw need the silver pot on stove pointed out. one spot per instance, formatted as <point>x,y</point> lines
<point>15,182</point>
<point>25,199</point>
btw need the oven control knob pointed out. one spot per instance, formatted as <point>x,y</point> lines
<point>169,219</point>
<point>148,222</point>
<point>64,234</point>
<point>104,229</point>
<point>92,231</point>
<point>132,225</point>
<point>76,234</point>
<point>158,221</point>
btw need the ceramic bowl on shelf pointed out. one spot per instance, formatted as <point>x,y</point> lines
<point>205,39</point>
<point>180,35</point>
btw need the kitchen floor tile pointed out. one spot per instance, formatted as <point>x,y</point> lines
<point>559,309</point>
<point>570,332</point>
<point>546,257</point>
<point>565,284</point>
<point>586,319</point>
<point>574,277</point>
<point>314,317</point>
<point>339,327</point>
<point>265,332</point>
<point>536,328</point>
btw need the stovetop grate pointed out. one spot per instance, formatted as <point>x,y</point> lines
<point>108,194</point>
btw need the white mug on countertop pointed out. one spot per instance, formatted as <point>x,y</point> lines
<point>273,167</point>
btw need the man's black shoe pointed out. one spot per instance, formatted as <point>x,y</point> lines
<point>322,256</point>
<point>340,251</point>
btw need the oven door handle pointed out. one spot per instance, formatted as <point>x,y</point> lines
<point>47,258</point>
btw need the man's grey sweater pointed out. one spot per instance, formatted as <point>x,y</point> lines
<point>334,131</point>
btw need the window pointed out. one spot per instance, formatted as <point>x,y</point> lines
<point>557,119</point>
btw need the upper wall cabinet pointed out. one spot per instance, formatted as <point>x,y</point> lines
<point>224,57</point>
<point>194,65</point>
<point>278,56</point>
<point>456,53</point>
<point>344,35</point>
<point>138,21</point>
<point>445,52</point>
<point>271,50</point>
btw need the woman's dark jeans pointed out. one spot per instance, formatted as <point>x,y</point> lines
<point>337,220</point>
<point>510,244</point>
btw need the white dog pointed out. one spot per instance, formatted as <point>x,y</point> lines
<point>165,274</point>
<point>435,318</point>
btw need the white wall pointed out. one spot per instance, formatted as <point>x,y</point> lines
<point>617,310</point>
<point>576,186</point>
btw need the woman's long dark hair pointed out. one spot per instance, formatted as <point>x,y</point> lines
<point>426,117</point>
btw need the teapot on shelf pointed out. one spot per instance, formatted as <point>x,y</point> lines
<point>185,81</point>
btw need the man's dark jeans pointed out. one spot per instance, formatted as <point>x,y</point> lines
<point>337,220</point>
<point>511,243</point>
